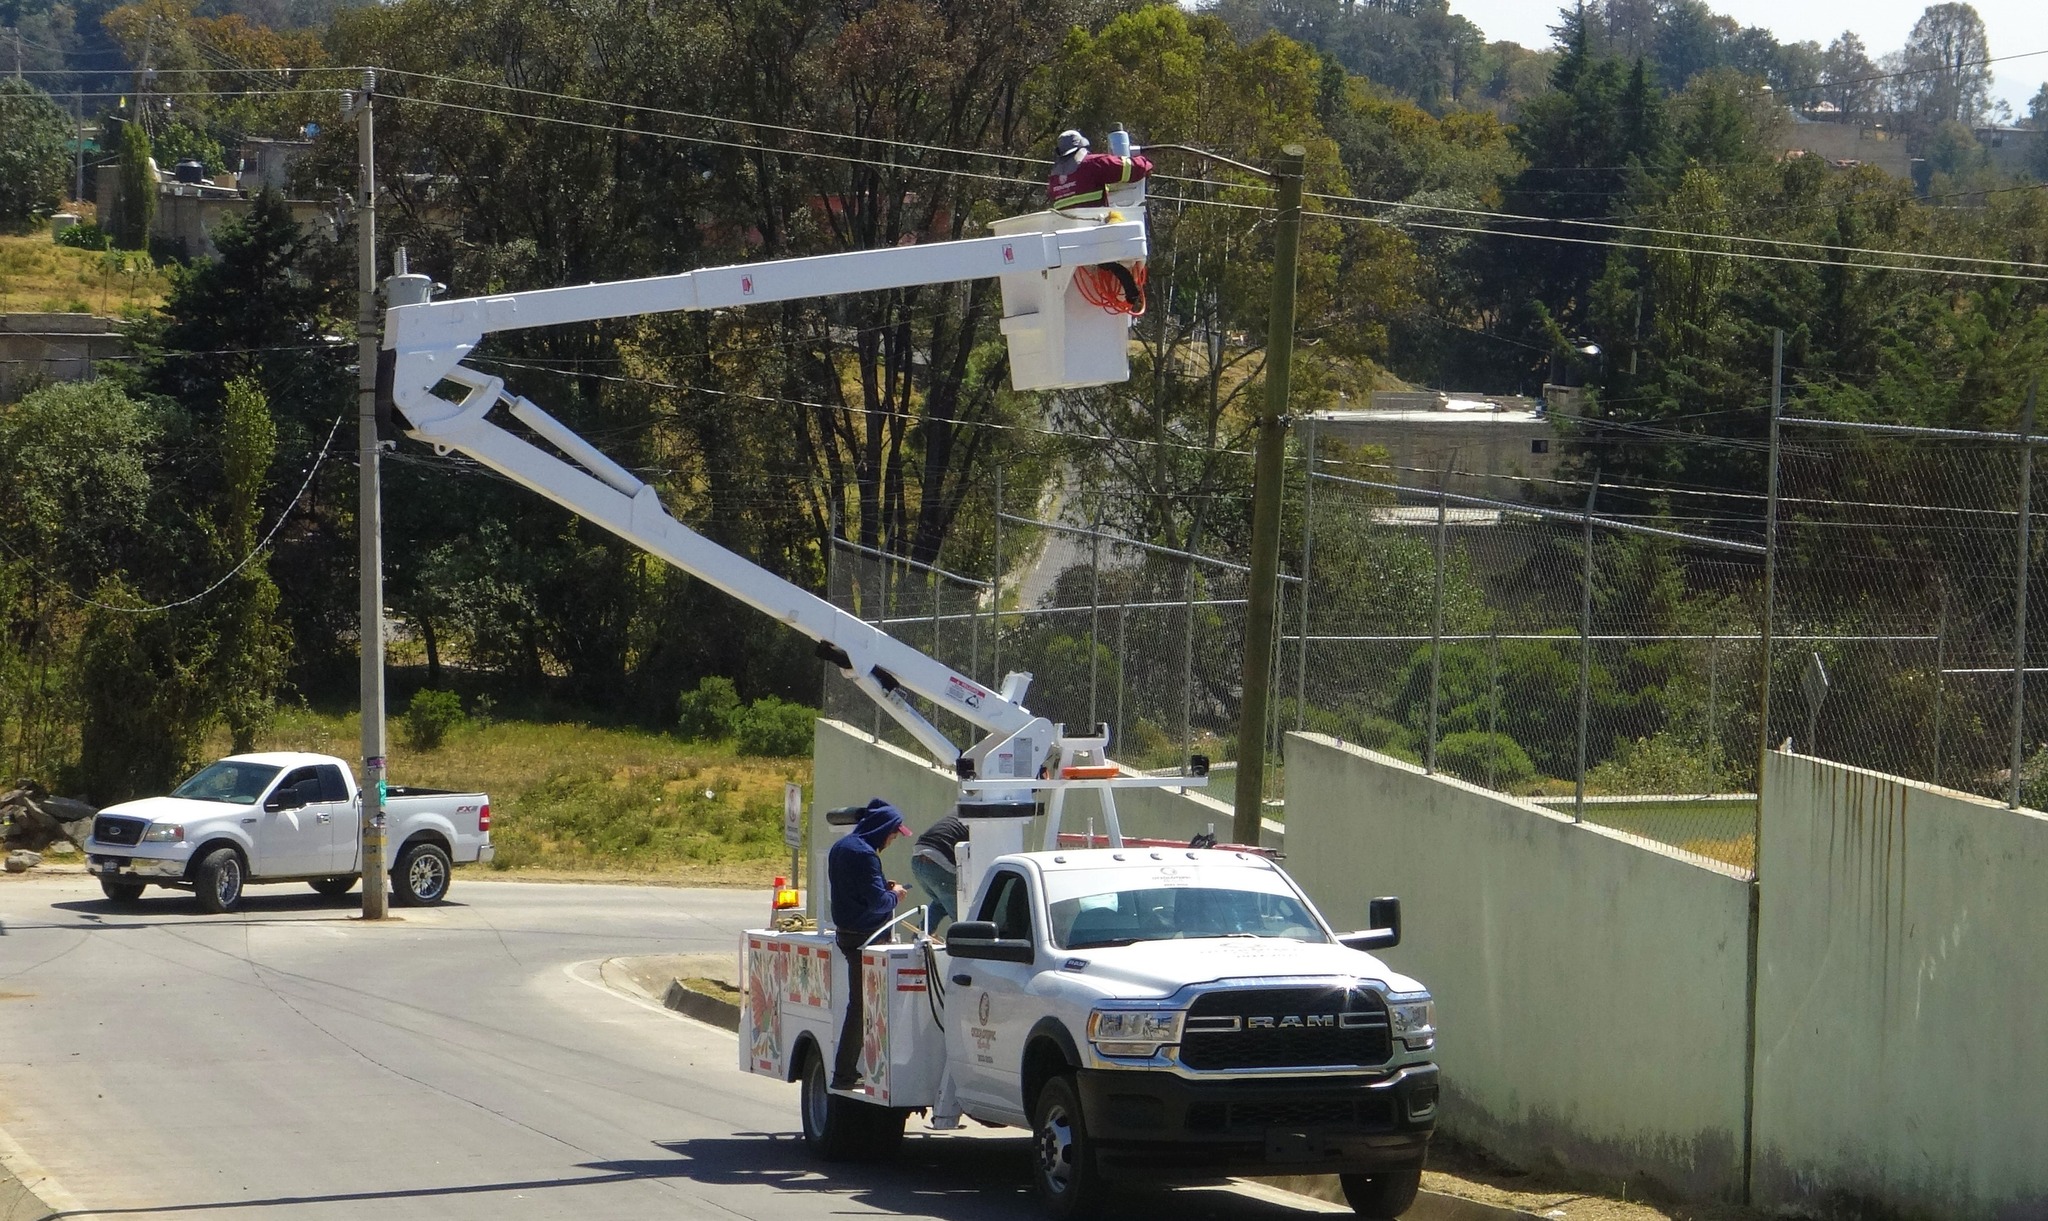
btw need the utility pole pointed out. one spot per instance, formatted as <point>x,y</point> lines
<point>78,148</point>
<point>1268,478</point>
<point>369,514</point>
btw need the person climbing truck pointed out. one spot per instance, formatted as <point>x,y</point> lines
<point>863,903</point>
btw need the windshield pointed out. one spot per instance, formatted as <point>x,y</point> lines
<point>236,783</point>
<point>1160,913</point>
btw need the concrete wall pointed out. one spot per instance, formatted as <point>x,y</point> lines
<point>40,348</point>
<point>1902,1044</point>
<point>1592,986</point>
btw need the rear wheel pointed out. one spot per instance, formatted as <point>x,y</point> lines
<point>121,892</point>
<point>839,1129</point>
<point>1382,1195</point>
<point>334,887</point>
<point>421,875</point>
<point>1063,1154</point>
<point>217,883</point>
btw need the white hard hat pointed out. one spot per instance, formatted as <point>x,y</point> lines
<point>1070,142</point>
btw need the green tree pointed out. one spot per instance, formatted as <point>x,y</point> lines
<point>145,694</point>
<point>253,644</point>
<point>35,155</point>
<point>136,210</point>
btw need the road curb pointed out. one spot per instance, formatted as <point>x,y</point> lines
<point>1428,1206</point>
<point>707,1009</point>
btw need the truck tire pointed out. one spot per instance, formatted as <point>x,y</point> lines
<point>121,892</point>
<point>1383,1195</point>
<point>838,1128</point>
<point>420,877</point>
<point>334,888</point>
<point>217,883</point>
<point>1063,1154</point>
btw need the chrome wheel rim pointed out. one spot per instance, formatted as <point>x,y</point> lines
<point>1056,1149</point>
<point>426,877</point>
<point>228,887</point>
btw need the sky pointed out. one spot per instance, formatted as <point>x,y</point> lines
<point>2013,27</point>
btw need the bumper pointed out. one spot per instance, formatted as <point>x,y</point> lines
<point>1156,1125</point>
<point>486,854</point>
<point>113,863</point>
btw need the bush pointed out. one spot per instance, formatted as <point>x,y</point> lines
<point>86,236</point>
<point>706,714</point>
<point>430,716</point>
<point>1660,764</point>
<point>1469,756</point>
<point>775,728</point>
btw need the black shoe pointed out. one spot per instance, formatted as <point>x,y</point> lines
<point>845,1084</point>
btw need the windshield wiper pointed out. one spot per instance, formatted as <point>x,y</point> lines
<point>1113,941</point>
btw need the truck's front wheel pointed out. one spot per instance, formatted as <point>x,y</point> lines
<point>838,1129</point>
<point>1063,1154</point>
<point>1384,1195</point>
<point>217,884</point>
<point>121,892</point>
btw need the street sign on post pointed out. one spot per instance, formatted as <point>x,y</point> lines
<point>793,815</point>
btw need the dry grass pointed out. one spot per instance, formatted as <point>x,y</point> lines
<point>593,803</point>
<point>37,276</point>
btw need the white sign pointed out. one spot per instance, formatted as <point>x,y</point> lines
<point>793,815</point>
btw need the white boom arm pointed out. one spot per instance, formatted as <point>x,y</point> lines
<point>425,344</point>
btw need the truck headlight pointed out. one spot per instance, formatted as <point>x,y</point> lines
<point>1414,1019</point>
<point>1133,1032</point>
<point>164,833</point>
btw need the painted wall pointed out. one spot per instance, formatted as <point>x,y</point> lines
<point>1902,1043</point>
<point>1592,986</point>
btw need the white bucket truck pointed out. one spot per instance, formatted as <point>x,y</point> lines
<point>1142,1009</point>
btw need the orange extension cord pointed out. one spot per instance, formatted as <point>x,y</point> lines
<point>1099,288</point>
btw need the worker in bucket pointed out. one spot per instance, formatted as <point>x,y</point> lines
<point>935,863</point>
<point>863,902</point>
<point>1083,180</point>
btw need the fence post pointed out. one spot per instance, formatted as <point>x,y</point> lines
<point>1940,674</point>
<point>2019,618</point>
<point>1094,615</point>
<point>1436,622</point>
<point>1123,614</point>
<point>1763,709</point>
<point>1187,665</point>
<point>1308,548</point>
<point>1492,707</point>
<point>1585,653</point>
<point>995,600</point>
<point>1713,709</point>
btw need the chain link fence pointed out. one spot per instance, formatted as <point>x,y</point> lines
<point>1596,653</point>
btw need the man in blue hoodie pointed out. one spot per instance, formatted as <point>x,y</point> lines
<point>863,900</point>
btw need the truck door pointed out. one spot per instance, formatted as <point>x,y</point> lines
<point>298,841</point>
<point>994,1008</point>
<point>345,832</point>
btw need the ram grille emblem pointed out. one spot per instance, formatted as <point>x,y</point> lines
<point>1292,1021</point>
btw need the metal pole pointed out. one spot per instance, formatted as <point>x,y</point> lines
<point>1763,712</point>
<point>1436,621</point>
<point>1713,711</point>
<point>1308,548</point>
<point>1094,616</point>
<point>1269,471</point>
<point>995,605</point>
<point>1585,653</point>
<point>1123,614</point>
<point>2019,618</point>
<point>369,514</point>
<point>78,147</point>
<point>1940,676</point>
<point>1187,666</point>
<point>1492,708</point>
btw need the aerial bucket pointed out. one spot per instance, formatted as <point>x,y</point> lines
<point>1059,340</point>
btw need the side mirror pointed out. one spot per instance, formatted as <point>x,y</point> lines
<point>977,939</point>
<point>1385,916</point>
<point>285,799</point>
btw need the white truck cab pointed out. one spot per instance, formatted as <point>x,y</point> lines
<point>281,816</point>
<point>1146,1012</point>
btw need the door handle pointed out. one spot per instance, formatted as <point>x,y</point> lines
<point>963,980</point>
<point>323,818</point>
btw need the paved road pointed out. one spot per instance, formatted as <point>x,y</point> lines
<point>292,1062</point>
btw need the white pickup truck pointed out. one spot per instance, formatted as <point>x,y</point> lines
<point>282,817</point>
<point>1145,1012</point>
